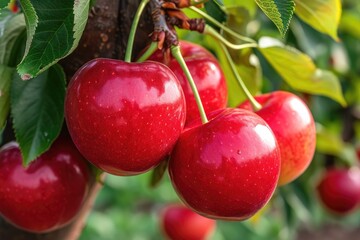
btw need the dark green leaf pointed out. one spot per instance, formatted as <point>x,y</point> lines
<point>54,29</point>
<point>6,74</point>
<point>158,173</point>
<point>214,8</point>
<point>37,109</point>
<point>1,134</point>
<point>279,11</point>
<point>4,3</point>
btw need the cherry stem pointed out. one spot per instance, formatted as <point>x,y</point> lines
<point>255,104</point>
<point>134,25</point>
<point>151,49</point>
<point>176,53</point>
<point>221,26</point>
<point>212,32</point>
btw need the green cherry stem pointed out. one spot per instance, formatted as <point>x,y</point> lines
<point>175,51</point>
<point>256,106</point>
<point>221,26</point>
<point>212,32</point>
<point>134,25</point>
<point>151,49</point>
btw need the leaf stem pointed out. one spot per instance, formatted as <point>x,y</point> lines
<point>175,51</point>
<point>151,49</point>
<point>134,25</point>
<point>212,32</point>
<point>255,104</point>
<point>221,26</point>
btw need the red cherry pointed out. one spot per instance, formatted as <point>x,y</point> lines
<point>339,190</point>
<point>13,7</point>
<point>207,74</point>
<point>294,128</point>
<point>48,193</point>
<point>180,223</point>
<point>227,168</point>
<point>124,117</point>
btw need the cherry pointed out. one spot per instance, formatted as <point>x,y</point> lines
<point>124,117</point>
<point>207,74</point>
<point>48,193</point>
<point>180,223</point>
<point>227,168</point>
<point>294,128</point>
<point>339,190</point>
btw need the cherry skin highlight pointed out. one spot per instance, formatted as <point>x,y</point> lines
<point>207,74</point>
<point>294,128</point>
<point>339,190</point>
<point>180,223</point>
<point>124,117</point>
<point>48,193</point>
<point>227,168</point>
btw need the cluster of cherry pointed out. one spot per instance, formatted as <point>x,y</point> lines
<point>126,118</point>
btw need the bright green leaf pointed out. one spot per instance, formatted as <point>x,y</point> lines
<point>279,11</point>
<point>4,3</point>
<point>322,15</point>
<point>6,74</point>
<point>81,11</point>
<point>350,22</point>
<point>37,109</point>
<point>300,72</point>
<point>54,30</point>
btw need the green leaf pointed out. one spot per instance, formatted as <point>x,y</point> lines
<point>279,11</point>
<point>2,129</point>
<point>322,15</point>
<point>11,28</point>
<point>328,142</point>
<point>4,3</point>
<point>37,109</point>
<point>300,72</point>
<point>6,74</point>
<point>215,9</point>
<point>158,173</point>
<point>54,29</point>
<point>350,22</point>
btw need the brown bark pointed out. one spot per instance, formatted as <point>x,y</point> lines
<point>106,35</point>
